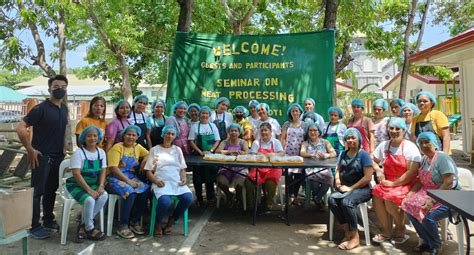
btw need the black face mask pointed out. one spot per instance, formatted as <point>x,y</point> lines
<point>58,93</point>
<point>239,116</point>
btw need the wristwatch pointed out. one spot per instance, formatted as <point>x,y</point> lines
<point>211,150</point>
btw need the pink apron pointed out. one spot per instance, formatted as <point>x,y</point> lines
<point>363,133</point>
<point>294,139</point>
<point>413,205</point>
<point>182,140</point>
<point>265,174</point>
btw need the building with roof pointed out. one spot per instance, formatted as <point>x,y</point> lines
<point>457,52</point>
<point>10,95</point>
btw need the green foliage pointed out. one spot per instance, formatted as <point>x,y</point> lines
<point>9,79</point>
<point>441,72</point>
<point>457,15</point>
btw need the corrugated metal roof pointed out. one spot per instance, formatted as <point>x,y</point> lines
<point>8,94</point>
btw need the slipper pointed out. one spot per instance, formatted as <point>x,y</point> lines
<point>158,232</point>
<point>400,240</point>
<point>125,233</point>
<point>167,230</point>
<point>342,246</point>
<point>95,235</point>
<point>379,238</point>
<point>137,229</point>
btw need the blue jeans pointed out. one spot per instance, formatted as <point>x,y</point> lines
<point>428,228</point>
<point>345,209</point>
<point>165,203</point>
<point>132,208</point>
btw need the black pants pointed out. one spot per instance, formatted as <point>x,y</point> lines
<point>207,175</point>
<point>45,182</point>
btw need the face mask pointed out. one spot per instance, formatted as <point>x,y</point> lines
<point>239,116</point>
<point>58,93</point>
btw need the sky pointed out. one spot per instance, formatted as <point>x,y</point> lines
<point>434,34</point>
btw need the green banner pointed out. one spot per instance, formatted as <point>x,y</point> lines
<point>274,69</point>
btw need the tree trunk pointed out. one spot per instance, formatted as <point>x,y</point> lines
<point>185,15</point>
<point>126,87</point>
<point>406,50</point>
<point>423,24</point>
<point>330,16</point>
<point>62,42</point>
<point>238,24</point>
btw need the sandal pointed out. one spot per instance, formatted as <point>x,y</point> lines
<point>379,238</point>
<point>81,232</point>
<point>158,232</point>
<point>137,229</point>
<point>95,235</point>
<point>125,233</point>
<point>400,240</point>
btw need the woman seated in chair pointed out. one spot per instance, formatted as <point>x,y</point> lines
<point>353,175</point>
<point>320,180</point>
<point>86,186</point>
<point>400,159</point>
<point>266,145</point>
<point>166,169</point>
<point>233,176</point>
<point>437,171</point>
<point>123,159</point>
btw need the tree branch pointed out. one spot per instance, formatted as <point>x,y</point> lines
<point>423,24</point>
<point>344,59</point>
<point>249,13</point>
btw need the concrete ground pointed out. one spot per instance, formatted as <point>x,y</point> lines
<point>229,231</point>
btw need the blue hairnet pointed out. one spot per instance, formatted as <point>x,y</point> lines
<point>140,97</point>
<point>235,125</point>
<point>131,127</point>
<point>253,103</point>
<point>310,124</point>
<point>180,104</point>
<point>398,101</point>
<point>336,110</point>
<point>380,103</point>
<point>242,109</point>
<point>355,132</point>
<point>220,100</point>
<point>117,105</point>
<point>82,136</point>
<point>168,128</point>
<point>205,108</point>
<point>310,114</point>
<point>397,122</point>
<point>358,102</point>
<point>412,106</point>
<point>157,101</point>
<point>430,136</point>
<point>427,94</point>
<point>264,105</point>
<point>195,106</point>
<point>311,100</point>
<point>288,112</point>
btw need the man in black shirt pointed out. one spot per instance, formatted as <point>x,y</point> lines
<point>45,153</point>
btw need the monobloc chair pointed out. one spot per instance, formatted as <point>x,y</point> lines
<point>219,193</point>
<point>154,204</point>
<point>110,214</point>
<point>365,222</point>
<point>69,201</point>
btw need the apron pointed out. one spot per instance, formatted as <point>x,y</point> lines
<point>394,166</point>
<point>381,132</point>
<point>182,140</point>
<point>333,139</point>
<point>413,206</point>
<point>427,126</point>
<point>169,174</point>
<point>231,172</point>
<point>294,139</point>
<point>324,176</point>
<point>90,173</point>
<point>205,142</point>
<point>127,166</point>
<point>156,129</point>
<point>363,133</point>
<point>265,174</point>
<point>142,139</point>
<point>221,126</point>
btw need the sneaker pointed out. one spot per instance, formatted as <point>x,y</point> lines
<point>51,226</point>
<point>39,233</point>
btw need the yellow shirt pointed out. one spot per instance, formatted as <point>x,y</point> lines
<point>438,120</point>
<point>114,155</point>
<point>87,121</point>
<point>245,125</point>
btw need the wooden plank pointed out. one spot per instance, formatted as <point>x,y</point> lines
<point>22,167</point>
<point>6,159</point>
<point>15,149</point>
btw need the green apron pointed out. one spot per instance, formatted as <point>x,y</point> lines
<point>205,142</point>
<point>209,173</point>
<point>90,172</point>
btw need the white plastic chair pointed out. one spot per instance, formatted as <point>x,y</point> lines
<point>69,201</point>
<point>279,193</point>
<point>220,192</point>
<point>110,214</point>
<point>467,183</point>
<point>365,222</point>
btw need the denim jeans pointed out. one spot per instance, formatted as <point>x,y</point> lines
<point>45,182</point>
<point>345,209</point>
<point>165,203</point>
<point>132,208</point>
<point>428,228</point>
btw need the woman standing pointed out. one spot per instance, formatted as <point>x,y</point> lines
<point>380,121</point>
<point>180,123</point>
<point>334,131</point>
<point>309,105</point>
<point>292,136</point>
<point>395,105</point>
<point>193,112</point>
<point>220,117</point>
<point>437,171</point>
<point>364,125</point>
<point>253,113</point>
<point>123,164</point>
<point>240,114</point>
<point>408,111</point>
<point>431,120</point>
<point>156,121</point>
<point>320,180</point>
<point>400,159</point>
<point>353,175</point>
<point>262,110</point>
<point>95,117</point>
<point>114,128</point>
<point>166,169</point>
<point>139,119</point>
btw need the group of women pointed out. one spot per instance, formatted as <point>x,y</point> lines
<point>384,145</point>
